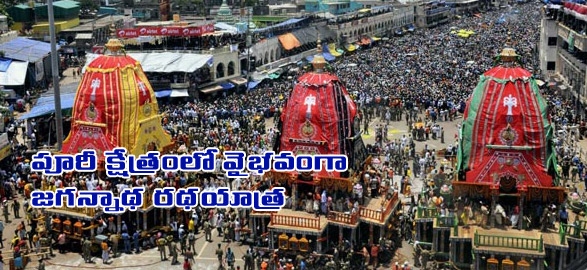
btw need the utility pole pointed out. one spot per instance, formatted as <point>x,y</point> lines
<point>55,73</point>
<point>249,44</point>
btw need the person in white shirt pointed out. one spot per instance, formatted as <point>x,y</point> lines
<point>358,192</point>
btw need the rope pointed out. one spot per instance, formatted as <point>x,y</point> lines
<point>101,267</point>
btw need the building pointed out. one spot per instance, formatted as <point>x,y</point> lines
<point>570,68</point>
<point>224,14</point>
<point>381,21</point>
<point>92,32</point>
<point>332,6</point>
<point>462,7</point>
<point>32,64</point>
<point>432,13</point>
<point>548,41</point>
<point>66,16</point>
<point>3,23</point>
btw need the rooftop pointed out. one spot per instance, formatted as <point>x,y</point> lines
<point>99,23</point>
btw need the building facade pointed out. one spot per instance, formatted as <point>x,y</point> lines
<point>563,60</point>
<point>378,25</point>
<point>431,14</point>
<point>462,7</point>
<point>548,42</point>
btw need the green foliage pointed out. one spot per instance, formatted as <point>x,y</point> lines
<point>88,4</point>
<point>4,11</point>
<point>249,3</point>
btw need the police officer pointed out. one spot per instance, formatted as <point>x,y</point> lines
<point>226,232</point>
<point>219,254</point>
<point>86,249</point>
<point>208,231</point>
<point>169,239</point>
<point>192,241</point>
<point>183,243</point>
<point>248,258</point>
<point>5,211</point>
<point>114,241</point>
<point>16,208</point>
<point>161,243</point>
<point>126,239</point>
<point>135,240</point>
<point>174,253</point>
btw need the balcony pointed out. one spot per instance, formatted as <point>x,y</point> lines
<point>446,221</point>
<point>572,60</point>
<point>295,221</point>
<point>344,218</point>
<point>580,40</point>
<point>511,242</point>
<point>427,212</point>
<point>379,214</point>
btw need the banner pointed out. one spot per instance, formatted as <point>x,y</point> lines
<point>166,31</point>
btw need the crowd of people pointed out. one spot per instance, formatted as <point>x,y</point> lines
<point>428,75</point>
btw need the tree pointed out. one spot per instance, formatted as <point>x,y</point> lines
<point>88,5</point>
<point>4,11</point>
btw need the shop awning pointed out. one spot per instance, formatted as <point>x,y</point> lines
<point>289,41</point>
<point>179,93</point>
<point>375,38</point>
<point>306,35</point>
<point>166,62</point>
<point>351,47</point>
<point>211,89</point>
<point>162,93</point>
<point>226,85</point>
<point>365,41</point>
<point>328,56</point>
<point>15,74</point>
<point>332,50</point>
<point>254,84</point>
<point>239,81</point>
<point>46,105</point>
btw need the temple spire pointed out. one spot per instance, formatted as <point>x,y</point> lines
<point>114,45</point>
<point>318,63</point>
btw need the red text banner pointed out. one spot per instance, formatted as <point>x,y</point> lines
<point>165,31</point>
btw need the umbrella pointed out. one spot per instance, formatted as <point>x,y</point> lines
<point>419,125</point>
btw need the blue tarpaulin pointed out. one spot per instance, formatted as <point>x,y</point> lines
<point>24,49</point>
<point>46,105</point>
<point>254,84</point>
<point>226,85</point>
<point>4,64</point>
<point>285,23</point>
<point>162,93</point>
<point>310,58</point>
<point>328,56</point>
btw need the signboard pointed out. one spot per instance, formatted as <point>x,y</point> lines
<point>166,31</point>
